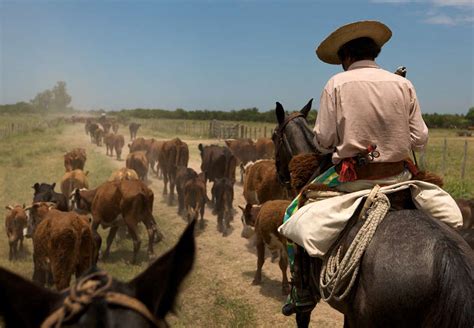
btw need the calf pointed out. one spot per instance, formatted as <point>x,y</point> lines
<point>266,219</point>
<point>195,199</point>
<point>62,244</point>
<point>183,175</point>
<point>45,193</point>
<point>261,183</point>
<point>15,222</point>
<point>223,195</point>
<point>138,162</point>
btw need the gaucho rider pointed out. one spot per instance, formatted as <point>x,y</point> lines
<point>366,114</point>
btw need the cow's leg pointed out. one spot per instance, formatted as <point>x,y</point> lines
<point>133,230</point>
<point>180,200</point>
<point>151,234</point>
<point>165,183</point>
<point>172,185</point>
<point>110,239</point>
<point>21,244</point>
<point>260,260</point>
<point>10,253</point>
<point>203,206</point>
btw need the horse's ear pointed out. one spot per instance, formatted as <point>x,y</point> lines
<point>280,113</point>
<point>306,109</point>
<point>200,147</point>
<point>157,287</point>
<point>22,302</point>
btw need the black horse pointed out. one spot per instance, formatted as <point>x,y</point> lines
<point>97,300</point>
<point>416,272</point>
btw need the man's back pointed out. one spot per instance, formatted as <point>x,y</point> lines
<point>367,105</point>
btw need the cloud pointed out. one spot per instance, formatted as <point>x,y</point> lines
<point>441,12</point>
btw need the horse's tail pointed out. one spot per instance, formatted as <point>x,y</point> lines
<point>455,299</point>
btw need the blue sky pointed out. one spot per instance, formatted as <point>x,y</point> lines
<point>223,55</point>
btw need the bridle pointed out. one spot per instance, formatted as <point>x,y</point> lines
<point>92,287</point>
<point>281,143</point>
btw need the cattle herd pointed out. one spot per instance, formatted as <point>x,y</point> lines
<point>63,226</point>
<point>69,220</point>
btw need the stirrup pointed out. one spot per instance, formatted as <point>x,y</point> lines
<point>298,301</point>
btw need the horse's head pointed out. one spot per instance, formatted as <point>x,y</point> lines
<point>97,300</point>
<point>291,137</point>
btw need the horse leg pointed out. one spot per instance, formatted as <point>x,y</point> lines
<point>303,319</point>
<point>260,260</point>
<point>285,286</point>
<point>110,239</point>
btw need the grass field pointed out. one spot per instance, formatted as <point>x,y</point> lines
<point>218,292</point>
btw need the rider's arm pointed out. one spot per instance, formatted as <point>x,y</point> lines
<point>325,129</point>
<point>418,128</point>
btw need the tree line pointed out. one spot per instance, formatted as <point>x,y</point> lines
<point>55,99</point>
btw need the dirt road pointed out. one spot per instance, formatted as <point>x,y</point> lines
<point>218,293</point>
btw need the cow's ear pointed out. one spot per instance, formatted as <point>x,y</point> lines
<point>307,108</point>
<point>157,287</point>
<point>228,142</point>
<point>53,185</point>
<point>86,173</point>
<point>9,207</point>
<point>200,147</point>
<point>36,186</point>
<point>21,301</point>
<point>241,208</point>
<point>280,113</point>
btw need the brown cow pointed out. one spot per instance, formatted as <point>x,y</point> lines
<point>138,162</point>
<point>183,175</point>
<point>244,150</point>
<point>72,180</point>
<point>261,183</point>
<point>154,157</point>
<point>107,126</point>
<point>223,195</point>
<point>123,174</point>
<point>217,162</point>
<point>265,148</point>
<point>149,297</point>
<point>115,127</point>
<point>467,209</point>
<point>138,144</point>
<point>15,222</point>
<point>62,244</point>
<point>109,139</point>
<point>119,142</point>
<point>99,135</point>
<point>133,127</point>
<point>174,153</point>
<point>75,159</point>
<point>112,203</point>
<point>195,199</point>
<point>266,219</point>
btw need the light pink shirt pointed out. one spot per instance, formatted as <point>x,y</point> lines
<point>368,105</point>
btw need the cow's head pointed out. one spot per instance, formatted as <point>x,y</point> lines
<point>248,218</point>
<point>35,214</point>
<point>77,203</point>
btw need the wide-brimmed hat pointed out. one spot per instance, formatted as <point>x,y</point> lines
<point>327,50</point>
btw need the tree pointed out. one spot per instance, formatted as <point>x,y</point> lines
<point>43,101</point>
<point>470,116</point>
<point>61,98</point>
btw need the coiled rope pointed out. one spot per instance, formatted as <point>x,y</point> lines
<point>338,276</point>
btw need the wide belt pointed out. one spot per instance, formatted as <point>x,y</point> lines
<point>374,171</point>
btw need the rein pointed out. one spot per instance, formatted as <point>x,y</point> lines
<point>85,291</point>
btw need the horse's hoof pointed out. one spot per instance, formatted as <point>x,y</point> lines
<point>285,290</point>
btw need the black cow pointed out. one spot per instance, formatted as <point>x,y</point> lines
<point>45,193</point>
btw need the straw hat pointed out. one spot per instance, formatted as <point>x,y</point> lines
<point>327,50</point>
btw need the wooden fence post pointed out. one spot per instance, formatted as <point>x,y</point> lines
<point>463,167</point>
